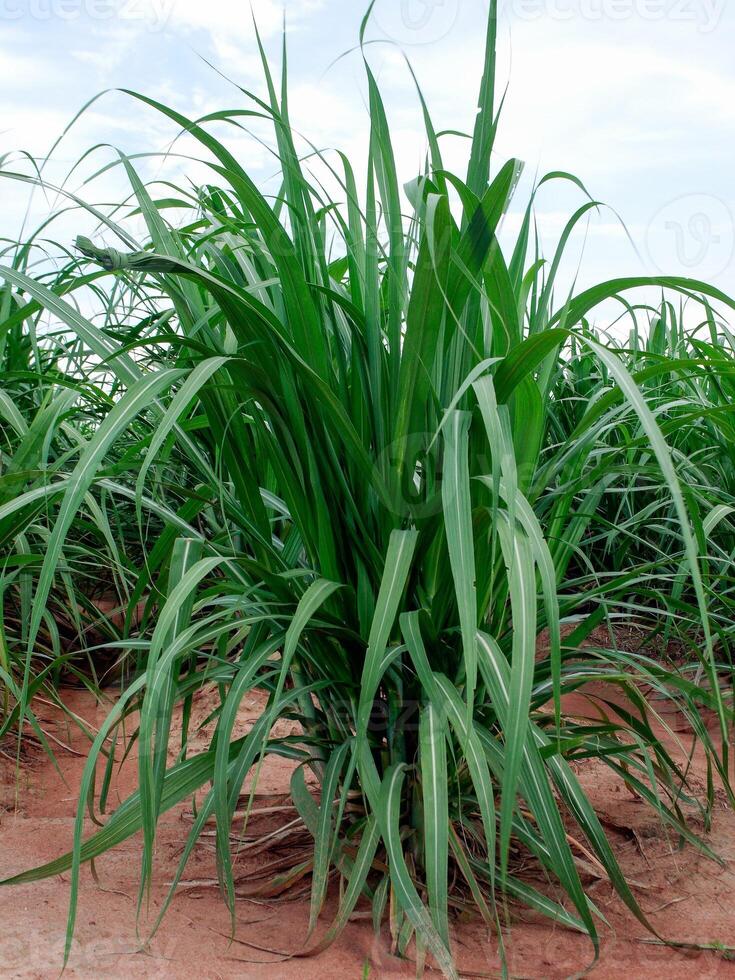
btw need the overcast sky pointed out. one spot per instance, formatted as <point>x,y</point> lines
<point>636,97</point>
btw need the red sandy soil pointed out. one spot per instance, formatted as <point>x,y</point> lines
<point>687,896</point>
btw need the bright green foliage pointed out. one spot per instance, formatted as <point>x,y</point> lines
<point>365,462</point>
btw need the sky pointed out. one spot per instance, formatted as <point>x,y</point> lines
<point>635,97</point>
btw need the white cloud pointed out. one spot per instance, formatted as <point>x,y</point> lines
<point>229,25</point>
<point>641,112</point>
<point>20,72</point>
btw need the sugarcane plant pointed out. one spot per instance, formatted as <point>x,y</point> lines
<point>372,461</point>
<point>49,405</point>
